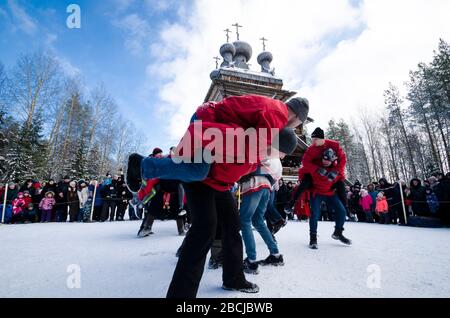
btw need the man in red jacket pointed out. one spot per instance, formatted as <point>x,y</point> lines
<point>311,161</point>
<point>207,184</point>
<point>323,172</point>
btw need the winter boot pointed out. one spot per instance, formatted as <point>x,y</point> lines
<point>216,255</point>
<point>146,227</point>
<point>250,267</point>
<point>313,241</point>
<point>273,260</point>
<point>214,263</point>
<point>242,286</point>
<point>337,235</point>
<point>180,227</point>
<point>134,177</point>
<point>278,225</point>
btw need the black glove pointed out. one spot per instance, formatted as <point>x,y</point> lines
<point>323,172</point>
<point>332,175</point>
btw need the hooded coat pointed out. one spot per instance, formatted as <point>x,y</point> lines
<point>366,202</point>
<point>382,205</point>
<point>19,205</point>
<point>419,199</point>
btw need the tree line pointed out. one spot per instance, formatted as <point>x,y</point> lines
<point>52,125</point>
<point>410,137</point>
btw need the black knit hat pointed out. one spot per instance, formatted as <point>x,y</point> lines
<point>318,133</point>
<point>300,106</point>
<point>156,151</point>
<point>286,141</point>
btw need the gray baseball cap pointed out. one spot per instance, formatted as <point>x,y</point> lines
<point>299,106</point>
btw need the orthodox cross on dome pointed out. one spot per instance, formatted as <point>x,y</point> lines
<point>264,40</point>
<point>227,31</point>
<point>237,29</point>
<point>217,61</point>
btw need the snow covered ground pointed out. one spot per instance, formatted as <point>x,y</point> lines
<point>35,259</point>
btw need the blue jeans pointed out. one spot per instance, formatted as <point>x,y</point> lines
<point>333,203</point>
<point>272,213</point>
<point>166,168</point>
<point>253,208</point>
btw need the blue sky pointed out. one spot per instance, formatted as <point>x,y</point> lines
<point>154,56</point>
<point>97,51</point>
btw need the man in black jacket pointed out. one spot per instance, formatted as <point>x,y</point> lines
<point>61,199</point>
<point>124,196</point>
<point>109,195</point>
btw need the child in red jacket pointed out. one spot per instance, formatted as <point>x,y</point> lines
<point>382,208</point>
<point>365,202</point>
<point>18,206</point>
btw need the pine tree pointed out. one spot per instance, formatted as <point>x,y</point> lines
<point>27,158</point>
<point>79,164</point>
<point>4,143</point>
<point>93,161</point>
<point>393,103</point>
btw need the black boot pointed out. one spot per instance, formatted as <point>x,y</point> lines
<point>313,241</point>
<point>180,227</point>
<point>146,227</point>
<point>216,255</point>
<point>278,225</point>
<point>214,263</point>
<point>134,177</point>
<point>250,267</point>
<point>272,260</point>
<point>243,286</point>
<point>337,235</point>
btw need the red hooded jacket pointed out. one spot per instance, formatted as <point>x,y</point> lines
<point>245,112</point>
<point>312,161</point>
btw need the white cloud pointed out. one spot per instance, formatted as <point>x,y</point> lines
<point>23,20</point>
<point>137,32</point>
<point>160,5</point>
<point>68,67</point>
<point>121,5</point>
<point>340,56</point>
<point>51,38</point>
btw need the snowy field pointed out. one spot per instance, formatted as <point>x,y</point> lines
<point>35,258</point>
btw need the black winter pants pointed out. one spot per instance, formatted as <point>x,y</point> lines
<point>207,207</point>
<point>121,208</point>
<point>108,209</point>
